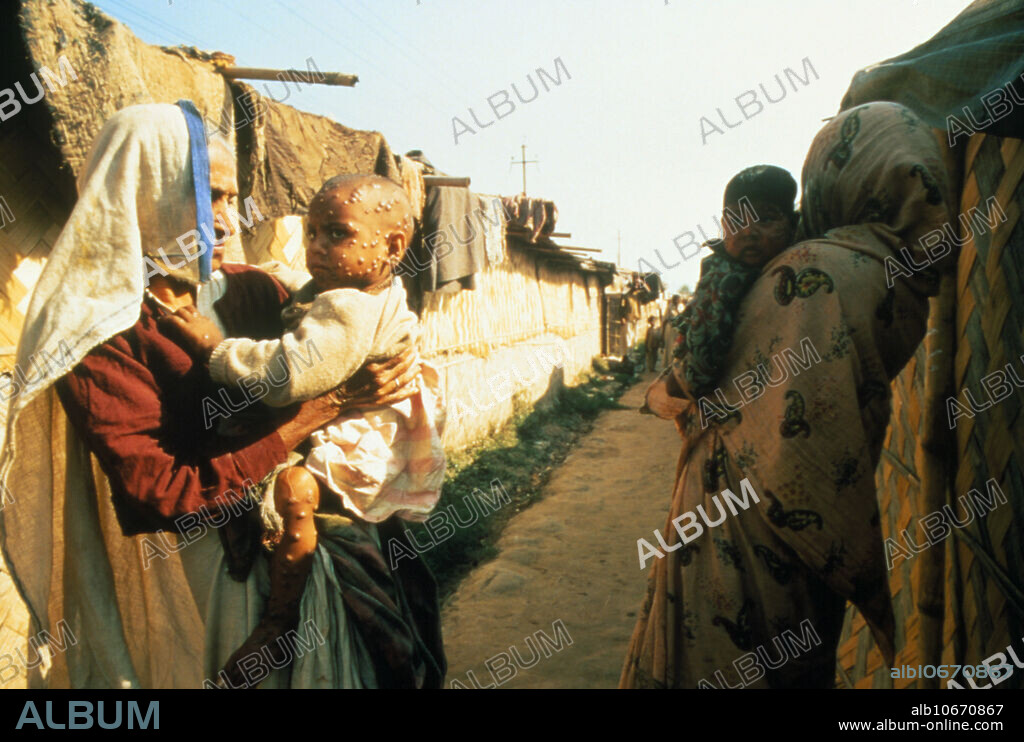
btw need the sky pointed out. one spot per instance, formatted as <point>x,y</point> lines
<point>621,146</point>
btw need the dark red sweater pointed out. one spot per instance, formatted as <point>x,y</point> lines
<point>137,403</point>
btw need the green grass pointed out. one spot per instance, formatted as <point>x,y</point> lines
<point>521,456</point>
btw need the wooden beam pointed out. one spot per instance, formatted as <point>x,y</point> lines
<point>518,228</point>
<point>445,180</point>
<point>263,73</point>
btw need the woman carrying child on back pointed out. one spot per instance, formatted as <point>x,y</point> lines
<point>795,351</point>
<point>707,324</point>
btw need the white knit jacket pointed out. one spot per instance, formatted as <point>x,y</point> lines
<point>342,329</point>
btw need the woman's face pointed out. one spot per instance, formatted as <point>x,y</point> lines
<point>224,198</point>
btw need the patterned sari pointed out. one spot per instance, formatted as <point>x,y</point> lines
<point>800,413</point>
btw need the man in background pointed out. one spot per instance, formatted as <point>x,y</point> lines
<point>652,342</point>
<point>668,331</point>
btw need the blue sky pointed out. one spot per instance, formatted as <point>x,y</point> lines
<point>620,142</point>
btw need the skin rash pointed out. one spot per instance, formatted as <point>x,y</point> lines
<point>356,234</point>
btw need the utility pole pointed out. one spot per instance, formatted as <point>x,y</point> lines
<point>618,259</point>
<point>524,162</point>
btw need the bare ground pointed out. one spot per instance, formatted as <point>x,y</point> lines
<point>571,557</point>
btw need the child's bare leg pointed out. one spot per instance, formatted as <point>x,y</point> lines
<point>296,497</point>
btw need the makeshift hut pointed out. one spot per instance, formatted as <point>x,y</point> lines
<point>530,324</point>
<point>952,472</point>
<point>628,303</point>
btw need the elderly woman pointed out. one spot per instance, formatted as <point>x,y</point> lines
<point>129,451</point>
<point>755,596</point>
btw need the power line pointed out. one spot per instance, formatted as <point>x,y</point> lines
<point>177,36</point>
<point>401,44</point>
<point>334,40</point>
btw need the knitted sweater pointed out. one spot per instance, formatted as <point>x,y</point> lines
<point>332,335</point>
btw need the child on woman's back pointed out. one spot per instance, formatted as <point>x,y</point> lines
<point>751,238</point>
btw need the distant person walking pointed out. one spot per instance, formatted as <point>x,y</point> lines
<point>652,343</point>
<point>668,330</point>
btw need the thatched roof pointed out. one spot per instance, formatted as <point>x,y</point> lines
<point>288,154</point>
<point>551,252</point>
<point>285,154</point>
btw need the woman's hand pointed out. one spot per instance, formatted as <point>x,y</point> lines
<point>199,334</point>
<point>664,398</point>
<point>373,385</point>
<point>313,414</point>
<point>378,384</point>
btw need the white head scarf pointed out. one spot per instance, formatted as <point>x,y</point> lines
<point>135,201</point>
<point>136,198</point>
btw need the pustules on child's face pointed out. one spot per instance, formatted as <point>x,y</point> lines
<point>355,238</point>
<point>756,239</point>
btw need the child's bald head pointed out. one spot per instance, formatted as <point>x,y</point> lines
<point>380,198</point>
<point>357,230</point>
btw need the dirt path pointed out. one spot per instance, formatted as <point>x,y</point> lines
<point>571,557</point>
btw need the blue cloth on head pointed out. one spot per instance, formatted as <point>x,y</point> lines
<point>201,185</point>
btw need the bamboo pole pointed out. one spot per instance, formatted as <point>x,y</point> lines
<point>516,229</point>
<point>264,73</point>
<point>938,449</point>
<point>445,180</point>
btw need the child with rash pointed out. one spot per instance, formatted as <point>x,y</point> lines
<point>707,324</point>
<point>376,462</point>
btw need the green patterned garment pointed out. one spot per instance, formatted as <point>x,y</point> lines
<point>707,325</point>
